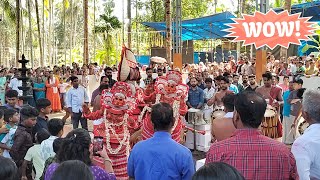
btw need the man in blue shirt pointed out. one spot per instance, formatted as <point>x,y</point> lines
<point>160,157</point>
<point>76,96</point>
<point>288,132</point>
<point>195,95</point>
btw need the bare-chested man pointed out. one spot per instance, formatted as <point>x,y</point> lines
<point>273,96</point>
<point>223,90</point>
<point>269,91</point>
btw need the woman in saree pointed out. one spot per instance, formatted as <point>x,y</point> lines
<point>52,94</point>
<point>39,88</point>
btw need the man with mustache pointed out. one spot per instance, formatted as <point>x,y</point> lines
<point>252,83</point>
<point>223,90</point>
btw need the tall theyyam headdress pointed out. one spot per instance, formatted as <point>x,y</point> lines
<point>128,69</point>
<point>174,76</point>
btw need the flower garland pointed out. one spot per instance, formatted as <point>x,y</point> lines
<point>146,108</point>
<point>122,142</point>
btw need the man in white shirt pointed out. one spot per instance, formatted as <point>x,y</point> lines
<point>208,94</point>
<point>55,128</point>
<point>76,96</point>
<point>15,83</point>
<point>306,148</point>
<point>293,67</point>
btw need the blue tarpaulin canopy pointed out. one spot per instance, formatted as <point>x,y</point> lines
<point>309,9</point>
<point>209,27</point>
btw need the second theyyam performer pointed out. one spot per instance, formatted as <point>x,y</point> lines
<point>171,90</point>
<point>113,123</point>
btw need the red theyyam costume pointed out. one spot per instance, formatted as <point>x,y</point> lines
<point>115,126</point>
<point>171,90</point>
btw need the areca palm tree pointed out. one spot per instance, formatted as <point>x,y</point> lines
<point>167,6</point>
<point>85,44</point>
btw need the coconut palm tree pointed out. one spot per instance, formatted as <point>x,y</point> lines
<point>39,32</point>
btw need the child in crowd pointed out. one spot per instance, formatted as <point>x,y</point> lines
<point>44,108</point>
<point>56,146</point>
<point>33,155</point>
<point>12,100</point>
<point>11,116</point>
<point>3,129</point>
<point>22,139</point>
<point>55,127</point>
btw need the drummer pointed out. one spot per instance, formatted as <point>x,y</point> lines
<point>272,94</point>
<point>223,90</point>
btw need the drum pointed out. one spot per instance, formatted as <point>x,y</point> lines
<point>302,125</point>
<point>218,112</point>
<point>269,125</point>
<point>195,116</point>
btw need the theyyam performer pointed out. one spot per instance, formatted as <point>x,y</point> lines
<point>117,118</point>
<point>171,90</point>
<point>114,115</point>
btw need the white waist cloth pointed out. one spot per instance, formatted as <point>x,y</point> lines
<point>98,121</point>
<point>228,115</point>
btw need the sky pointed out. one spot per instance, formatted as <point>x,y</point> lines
<point>231,5</point>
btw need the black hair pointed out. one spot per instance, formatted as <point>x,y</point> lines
<point>228,102</point>
<point>73,169</point>
<point>226,74</point>
<point>8,170</point>
<point>107,69</point>
<point>103,87</point>
<point>148,68</point>
<point>11,93</point>
<point>251,108</point>
<point>28,112</point>
<point>284,77</point>
<point>8,113</point>
<point>267,75</point>
<point>101,78</point>
<point>225,79</point>
<point>298,81</point>
<point>57,145</point>
<point>42,135</point>
<point>1,114</point>
<point>42,103</point>
<point>193,78</point>
<point>208,80</point>
<point>218,78</point>
<point>55,125</point>
<point>300,92</point>
<point>162,116</point>
<point>217,171</point>
<point>75,146</point>
<point>72,78</point>
<point>236,75</point>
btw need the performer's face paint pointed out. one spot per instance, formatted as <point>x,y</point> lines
<point>118,100</point>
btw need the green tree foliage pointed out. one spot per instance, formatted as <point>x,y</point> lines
<point>106,26</point>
